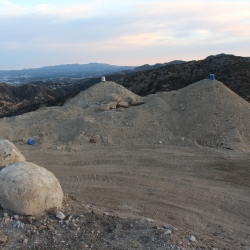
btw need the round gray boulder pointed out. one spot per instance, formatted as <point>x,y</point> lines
<point>9,154</point>
<point>28,189</point>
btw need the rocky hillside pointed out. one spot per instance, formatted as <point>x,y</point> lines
<point>233,71</point>
<point>156,66</point>
<point>18,100</point>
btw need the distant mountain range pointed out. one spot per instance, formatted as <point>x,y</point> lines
<point>60,71</point>
<point>233,71</point>
<point>71,71</point>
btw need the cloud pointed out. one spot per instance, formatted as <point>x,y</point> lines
<point>129,29</point>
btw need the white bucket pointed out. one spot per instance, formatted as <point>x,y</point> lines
<point>103,79</point>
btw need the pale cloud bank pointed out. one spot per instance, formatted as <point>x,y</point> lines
<point>131,33</point>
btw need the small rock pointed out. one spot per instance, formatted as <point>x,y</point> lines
<point>168,232</point>
<point>37,223</point>
<point>60,215</point>
<point>123,104</point>
<point>192,238</point>
<point>6,220</point>
<point>137,103</point>
<point>130,99</point>
<point>17,224</point>
<point>16,216</point>
<point>120,109</point>
<point>92,140</point>
<point>149,219</point>
<point>3,238</point>
<point>160,142</point>
<point>25,241</point>
<point>51,228</point>
<point>73,226</point>
<point>113,105</point>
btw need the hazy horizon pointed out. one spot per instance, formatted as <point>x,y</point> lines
<point>131,33</point>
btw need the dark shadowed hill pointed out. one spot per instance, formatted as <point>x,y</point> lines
<point>156,66</point>
<point>18,100</point>
<point>233,71</point>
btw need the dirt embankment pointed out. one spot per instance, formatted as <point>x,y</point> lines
<point>205,113</point>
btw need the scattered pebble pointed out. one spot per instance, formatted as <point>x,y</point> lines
<point>192,238</point>
<point>3,238</point>
<point>60,215</point>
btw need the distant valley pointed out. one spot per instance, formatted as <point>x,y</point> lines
<point>59,72</point>
<point>69,73</point>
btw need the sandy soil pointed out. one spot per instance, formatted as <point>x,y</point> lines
<point>204,191</point>
<point>180,158</point>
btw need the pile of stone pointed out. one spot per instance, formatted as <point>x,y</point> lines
<point>115,101</point>
<point>25,188</point>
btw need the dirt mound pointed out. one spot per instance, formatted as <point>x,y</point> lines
<point>206,113</point>
<point>209,113</point>
<point>100,93</point>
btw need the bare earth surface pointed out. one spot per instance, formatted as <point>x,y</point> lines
<point>179,158</point>
<point>204,191</point>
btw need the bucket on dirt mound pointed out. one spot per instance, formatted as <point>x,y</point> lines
<point>103,79</point>
<point>31,141</point>
<point>212,77</point>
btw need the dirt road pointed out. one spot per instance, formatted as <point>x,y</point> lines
<point>205,191</point>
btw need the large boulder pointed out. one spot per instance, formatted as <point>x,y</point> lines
<point>9,154</point>
<point>28,189</point>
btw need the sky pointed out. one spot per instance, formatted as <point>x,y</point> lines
<point>130,32</point>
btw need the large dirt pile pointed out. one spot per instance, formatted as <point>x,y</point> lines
<point>205,113</point>
<point>209,113</point>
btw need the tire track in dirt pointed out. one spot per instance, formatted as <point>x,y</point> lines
<point>179,217</point>
<point>84,163</point>
<point>223,202</point>
<point>104,202</point>
<point>156,188</point>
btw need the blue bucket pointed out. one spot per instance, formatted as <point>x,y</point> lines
<point>31,142</point>
<point>212,77</point>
